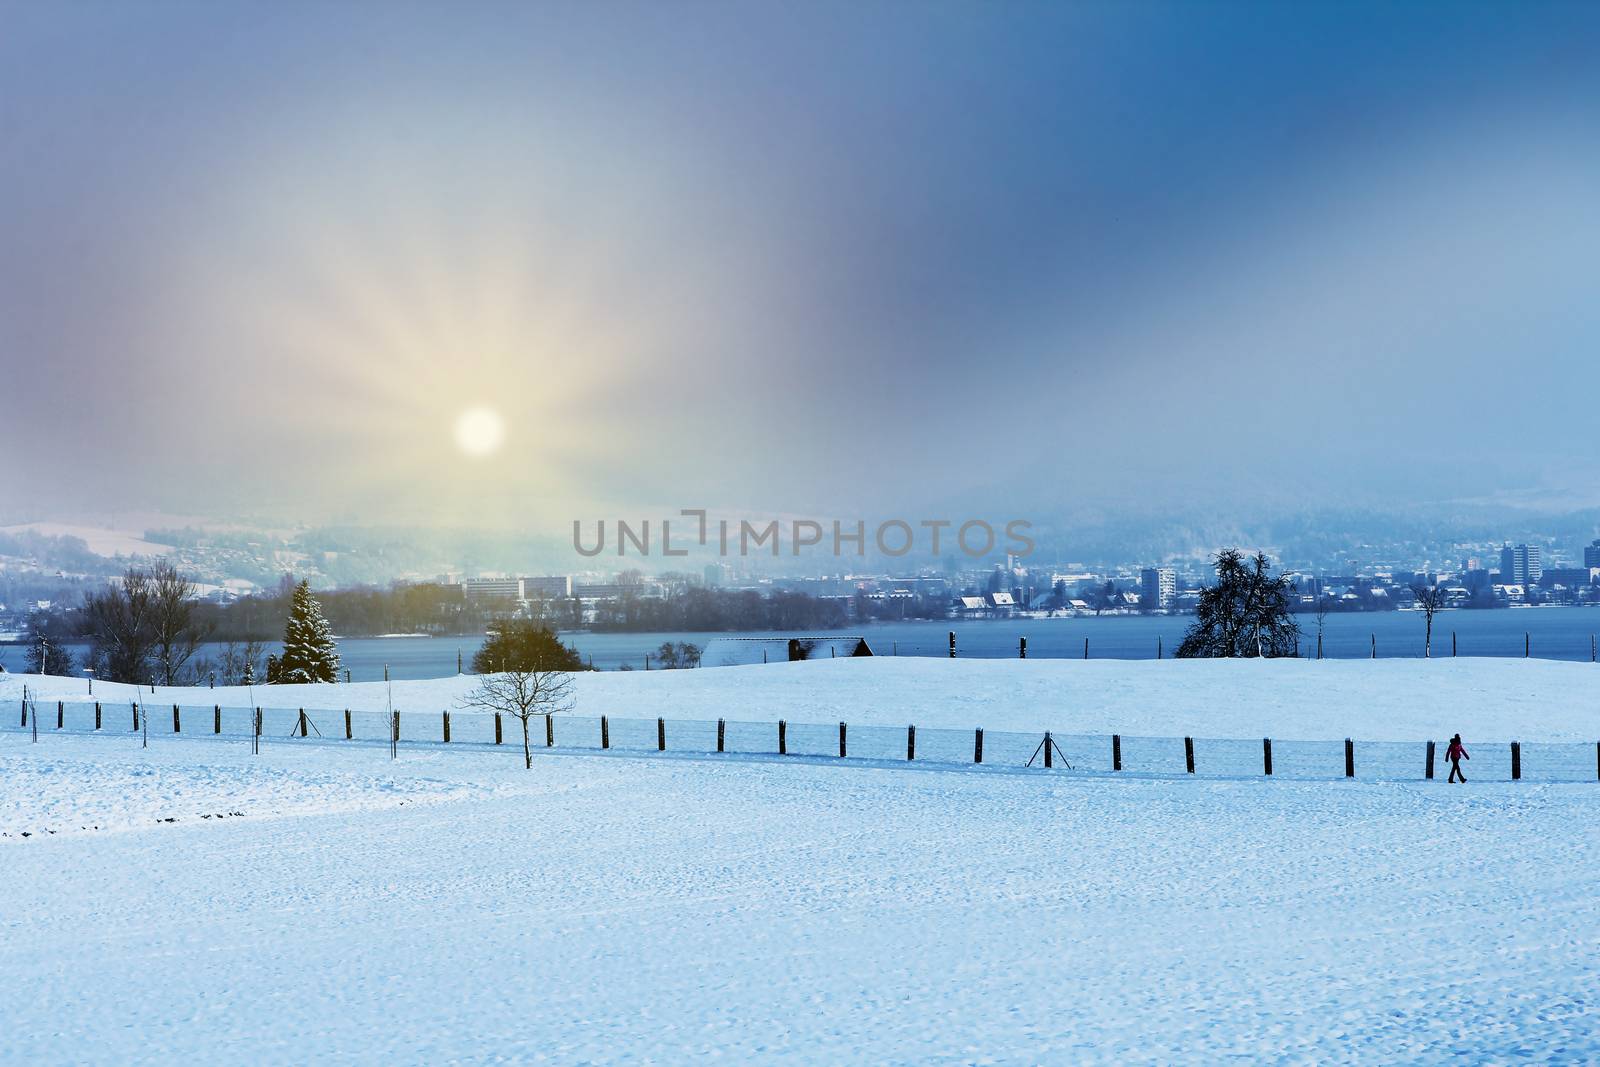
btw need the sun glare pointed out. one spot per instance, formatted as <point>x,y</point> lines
<point>480,432</point>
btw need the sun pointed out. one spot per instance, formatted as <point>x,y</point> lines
<point>480,432</point>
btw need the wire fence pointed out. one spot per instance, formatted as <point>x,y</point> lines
<point>1095,753</point>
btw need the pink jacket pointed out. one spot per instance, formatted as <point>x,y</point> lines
<point>1456,751</point>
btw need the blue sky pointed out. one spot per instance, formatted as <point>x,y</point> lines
<point>822,259</point>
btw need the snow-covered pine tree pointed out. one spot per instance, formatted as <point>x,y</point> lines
<point>309,654</point>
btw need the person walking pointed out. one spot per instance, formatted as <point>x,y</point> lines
<point>1455,754</point>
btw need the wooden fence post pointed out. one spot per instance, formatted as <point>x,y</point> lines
<point>1452,644</point>
<point>1116,752</point>
<point>1349,758</point>
<point>841,741</point>
<point>1527,645</point>
<point>61,715</point>
<point>1266,756</point>
<point>177,726</point>
<point>25,713</point>
<point>1428,773</point>
<point>97,715</point>
<point>446,716</point>
<point>216,718</point>
<point>783,738</point>
<point>303,731</point>
<point>911,742</point>
<point>499,729</point>
<point>977,746</point>
<point>1085,648</point>
<point>605,733</point>
<point>549,732</point>
<point>1022,648</point>
<point>661,734</point>
<point>135,717</point>
<point>722,729</point>
<point>1374,646</point>
<point>952,644</point>
<point>1516,760</point>
<point>349,733</point>
<point>1188,754</point>
<point>1048,745</point>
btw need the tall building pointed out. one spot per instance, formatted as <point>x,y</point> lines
<point>478,589</point>
<point>1591,554</point>
<point>1157,587</point>
<point>1520,565</point>
<point>547,587</point>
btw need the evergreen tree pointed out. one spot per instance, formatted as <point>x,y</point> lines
<point>523,645</point>
<point>47,656</point>
<point>1245,614</point>
<point>309,654</point>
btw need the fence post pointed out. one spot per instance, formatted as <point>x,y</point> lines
<point>549,732</point>
<point>499,729</point>
<point>446,716</point>
<point>1158,646</point>
<point>1428,773</point>
<point>1022,648</point>
<point>1266,756</point>
<point>303,731</point>
<point>605,732</point>
<point>1085,648</point>
<point>783,738</point>
<point>1452,644</point>
<point>1048,745</point>
<point>1516,760</point>
<point>177,726</point>
<point>216,718</point>
<point>841,741</point>
<point>349,734</point>
<point>1188,753</point>
<point>1597,759</point>
<point>394,733</point>
<point>61,715</point>
<point>722,728</point>
<point>97,715</point>
<point>661,734</point>
<point>977,746</point>
<point>24,722</point>
<point>1349,758</point>
<point>135,717</point>
<point>1527,645</point>
<point>911,742</point>
<point>1374,646</point>
<point>952,644</point>
<point>1116,752</point>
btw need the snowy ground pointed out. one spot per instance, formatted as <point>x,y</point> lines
<point>192,902</point>
<point>1374,700</point>
<point>452,907</point>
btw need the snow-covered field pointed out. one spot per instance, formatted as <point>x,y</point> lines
<point>1374,700</point>
<point>192,902</point>
<point>452,907</point>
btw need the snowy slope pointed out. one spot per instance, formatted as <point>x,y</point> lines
<point>1378,700</point>
<point>616,909</point>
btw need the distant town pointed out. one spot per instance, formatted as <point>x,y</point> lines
<point>243,579</point>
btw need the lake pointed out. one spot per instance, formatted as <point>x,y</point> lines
<point>1554,633</point>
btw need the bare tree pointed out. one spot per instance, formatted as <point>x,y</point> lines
<point>174,633</point>
<point>524,694</point>
<point>1323,606</point>
<point>1430,598</point>
<point>117,622</point>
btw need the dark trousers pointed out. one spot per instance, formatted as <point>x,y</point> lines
<point>1455,771</point>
